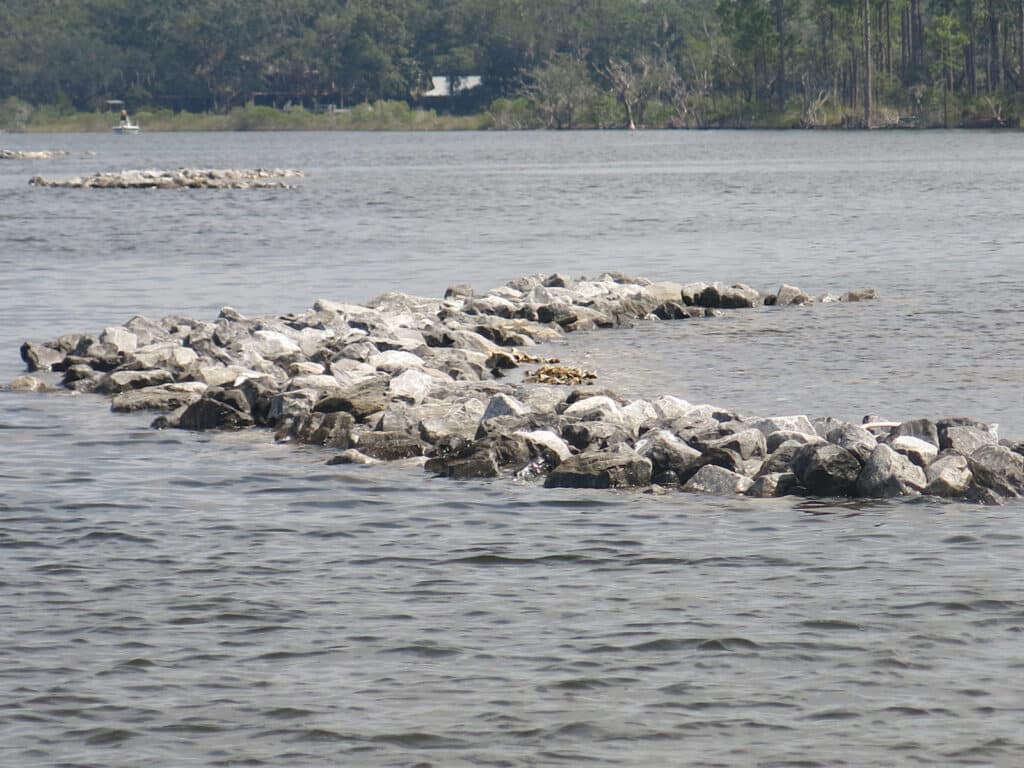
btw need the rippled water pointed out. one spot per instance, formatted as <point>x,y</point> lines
<point>185,599</point>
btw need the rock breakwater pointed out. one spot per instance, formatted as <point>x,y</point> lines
<point>183,178</point>
<point>447,383</point>
<point>14,154</point>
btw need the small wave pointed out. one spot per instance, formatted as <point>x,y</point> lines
<point>426,650</point>
<point>831,625</point>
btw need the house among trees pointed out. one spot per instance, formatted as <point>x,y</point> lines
<point>458,94</point>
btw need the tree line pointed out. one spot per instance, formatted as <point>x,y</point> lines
<point>556,63</point>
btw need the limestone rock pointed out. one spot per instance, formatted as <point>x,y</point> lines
<point>854,439</point>
<point>28,384</point>
<point>949,475</point>
<point>388,446</point>
<point>618,469</point>
<point>888,473</point>
<point>718,481</point>
<point>921,452</point>
<point>998,468</point>
<point>667,452</point>
<point>826,470</point>
<point>163,397</point>
<point>208,413</point>
<point>772,485</point>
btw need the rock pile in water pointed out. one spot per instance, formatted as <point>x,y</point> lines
<point>183,178</point>
<point>447,382</point>
<point>13,154</point>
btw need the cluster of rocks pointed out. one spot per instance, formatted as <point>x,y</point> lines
<point>183,178</point>
<point>446,382</point>
<point>14,154</point>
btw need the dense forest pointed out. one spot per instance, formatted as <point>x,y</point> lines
<point>553,63</point>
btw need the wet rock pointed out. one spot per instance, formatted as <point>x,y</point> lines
<point>352,456</point>
<point>362,401</point>
<point>888,473</point>
<point>826,470</point>
<point>618,469</point>
<point>773,485</point>
<point>718,481</point>
<point>949,475</point>
<point>788,295</point>
<point>667,452</point>
<point>388,446</point>
<point>998,468</point>
<point>121,381</point>
<point>44,154</point>
<point>676,310</point>
<point>479,464</point>
<point>165,397</point>
<point>333,430</point>
<point>28,384</point>
<point>720,296</point>
<point>208,413</point>
<point>780,460</point>
<point>39,357</point>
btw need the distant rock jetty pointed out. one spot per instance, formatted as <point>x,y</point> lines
<point>450,383</point>
<point>183,178</point>
<point>12,154</point>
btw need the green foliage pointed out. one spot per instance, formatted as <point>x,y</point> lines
<point>557,63</point>
<point>511,115</point>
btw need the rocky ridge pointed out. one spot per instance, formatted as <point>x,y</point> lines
<point>183,178</point>
<point>448,383</point>
<point>15,154</point>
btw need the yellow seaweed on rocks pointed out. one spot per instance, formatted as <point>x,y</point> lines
<point>561,374</point>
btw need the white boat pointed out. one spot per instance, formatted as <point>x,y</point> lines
<point>126,127</point>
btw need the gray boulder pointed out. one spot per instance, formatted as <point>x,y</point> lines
<point>788,295</point>
<point>854,439</point>
<point>923,429</point>
<point>826,470</point>
<point>998,468</point>
<point>618,469</point>
<point>389,446</point>
<point>773,485</point>
<point>921,452</point>
<point>122,381</point>
<point>667,452</point>
<point>28,384</point>
<point>717,481</point>
<point>208,413</point>
<point>965,439</point>
<point>949,475</point>
<point>165,397</point>
<point>748,443</point>
<point>720,296</point>
<point>888,473</point>
<point>39,357</point>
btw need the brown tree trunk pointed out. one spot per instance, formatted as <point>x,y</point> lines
<point>995,72</point>
<point>780,69</point>
<point>970,55</point>
<point>866,12</point>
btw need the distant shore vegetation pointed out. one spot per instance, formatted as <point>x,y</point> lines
<point>511,64</point>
